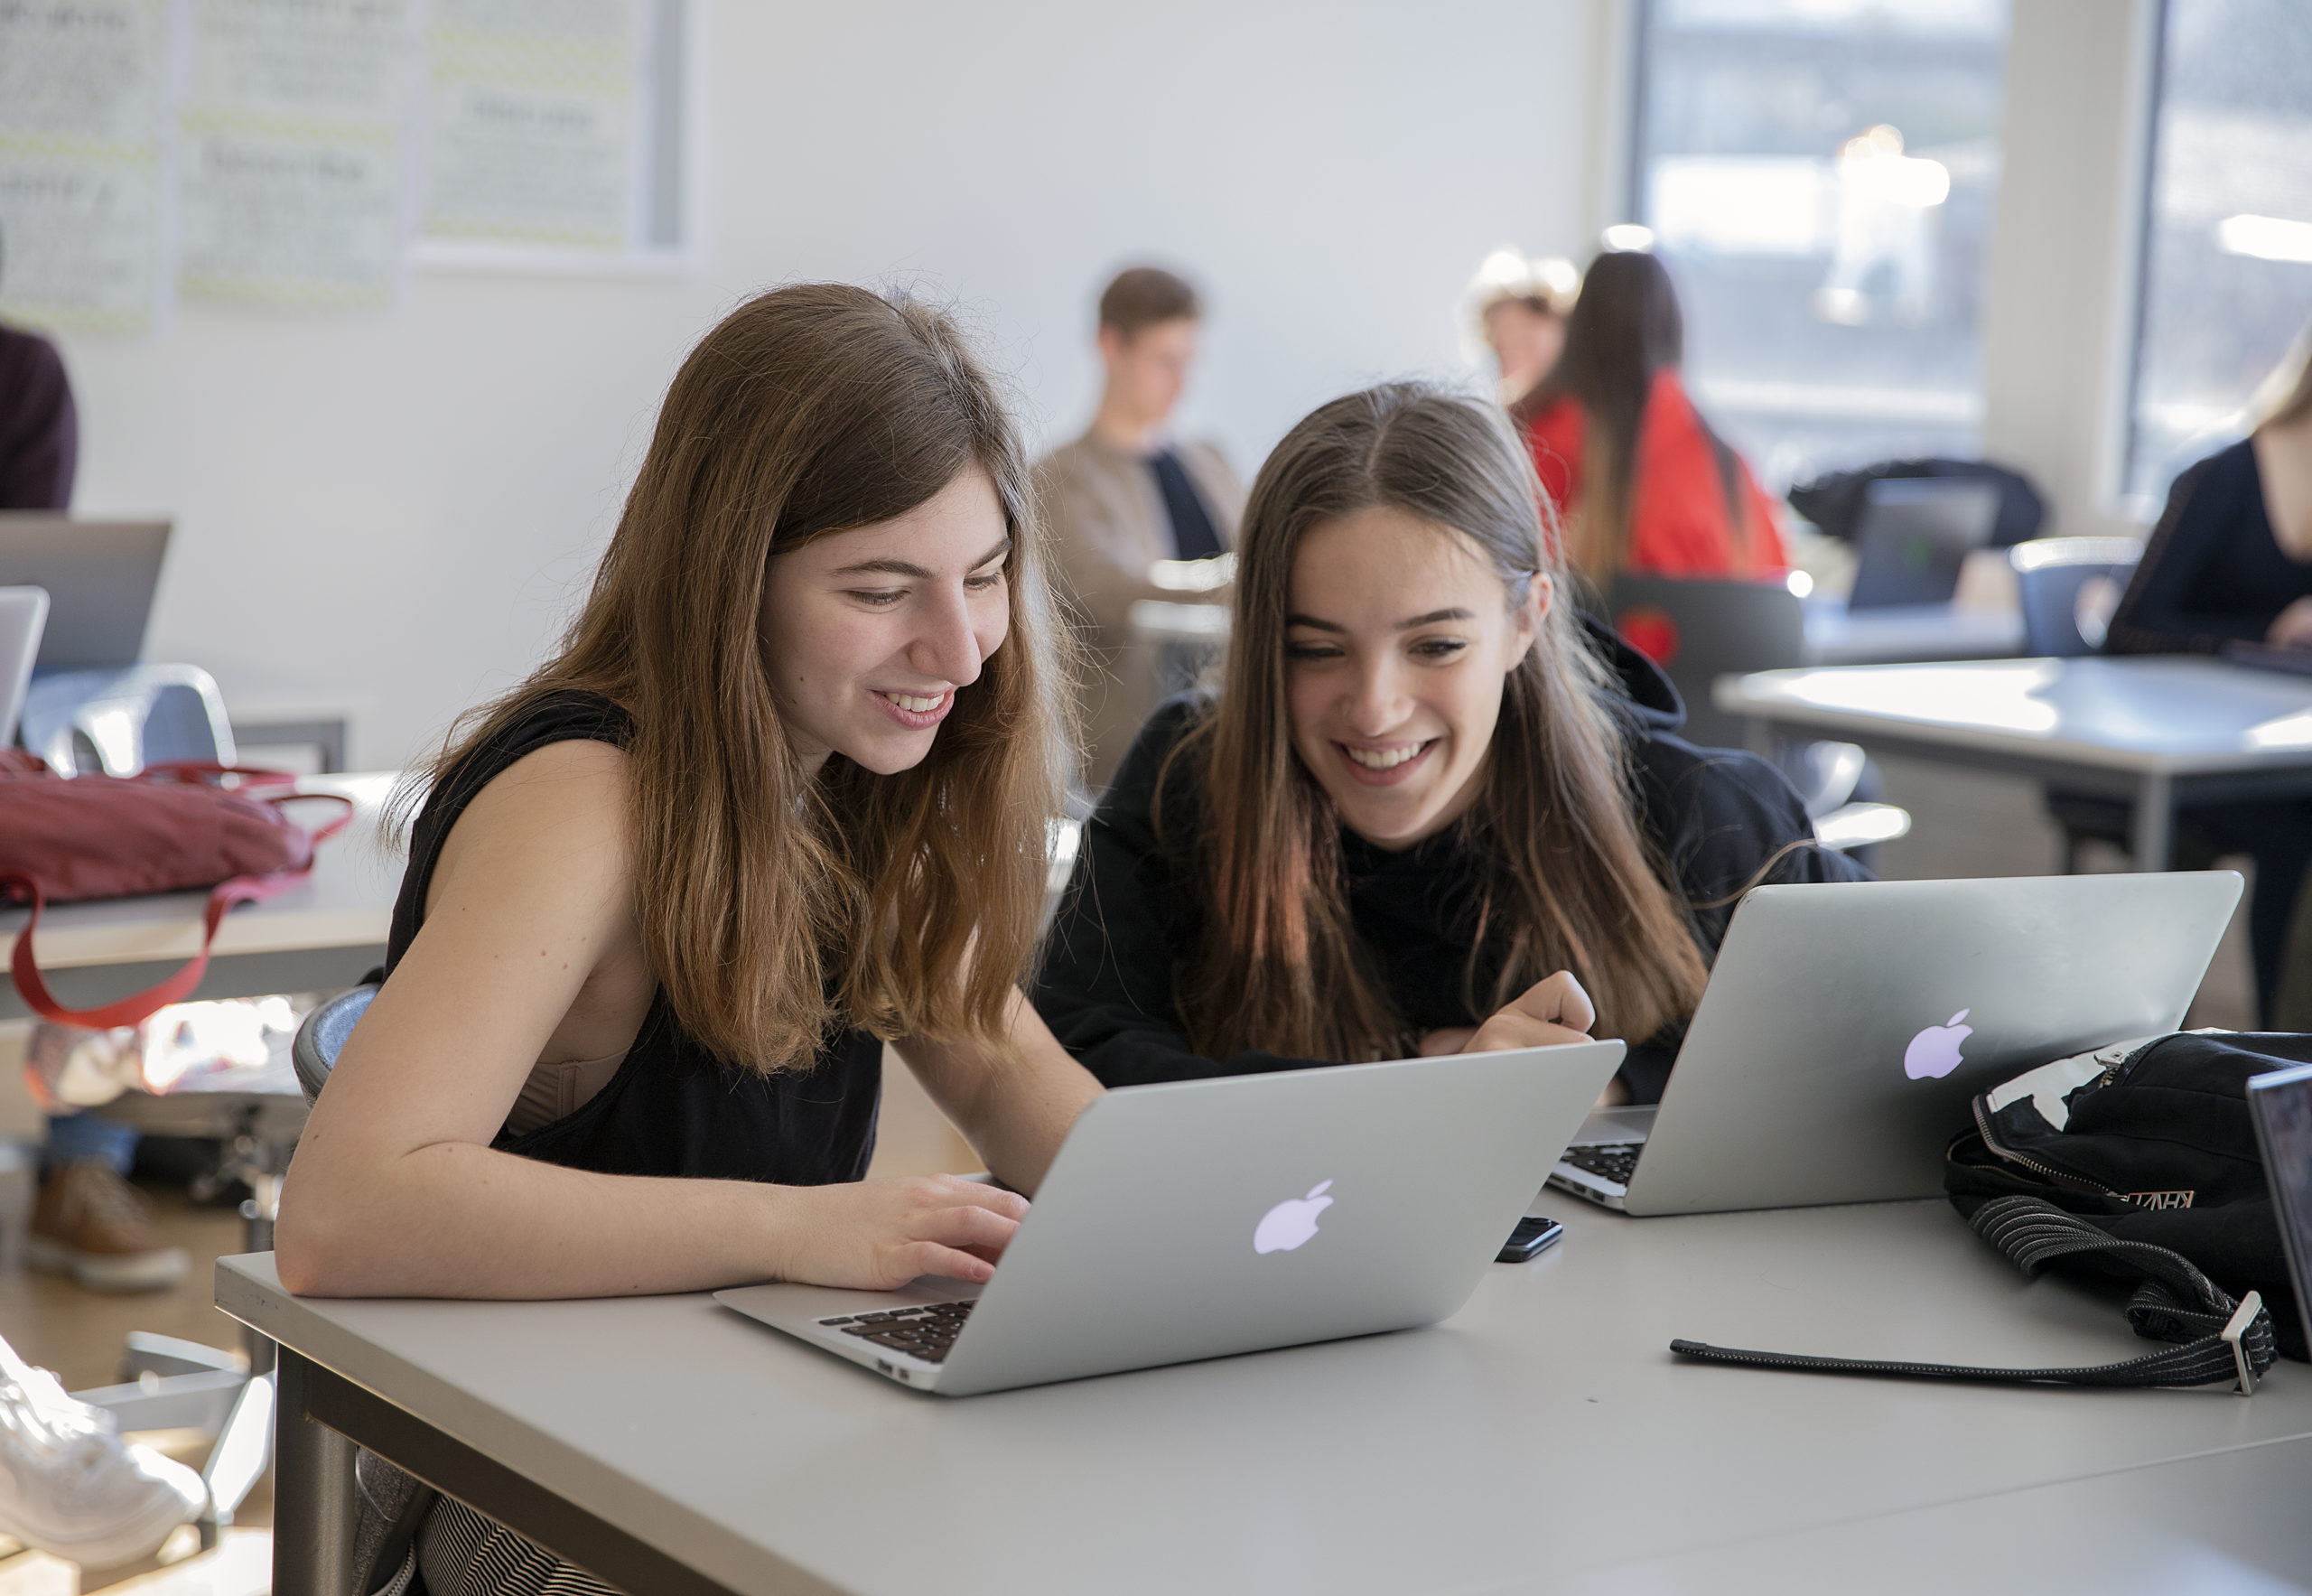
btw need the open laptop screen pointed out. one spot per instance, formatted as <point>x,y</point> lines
<point>100,577</point>
<point>2281,1105</point>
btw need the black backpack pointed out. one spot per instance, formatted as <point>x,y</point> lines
<point>2145,1172</point>
<point>2158,1148</point>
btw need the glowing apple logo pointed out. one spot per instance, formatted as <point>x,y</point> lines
<point>1291,1223</point>
<point>1934,1051</point>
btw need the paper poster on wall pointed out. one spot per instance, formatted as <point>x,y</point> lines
<point>533,134</point>
<point>83,218</point>
<point>291,152</point>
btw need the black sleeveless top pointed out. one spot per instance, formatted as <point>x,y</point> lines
<point>672,1108</point>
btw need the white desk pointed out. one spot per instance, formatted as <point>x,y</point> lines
<point>324,932</point>
<point>2158,731</point>
<point>1543,1433</point>
<point>1904,634</point>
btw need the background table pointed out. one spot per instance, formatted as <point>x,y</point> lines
<point>323,933</point>
<point>1903,634</point>
<point>2157,731</point>
<point>1542,1434</point>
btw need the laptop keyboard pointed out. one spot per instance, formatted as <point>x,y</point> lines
<point>925,1333</point>
<point>1612,1160</point>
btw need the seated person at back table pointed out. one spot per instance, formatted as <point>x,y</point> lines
<point>1520,307</point>
<point>1429,808</point>
<point>2232,561</point>
<point>665,896</point>
<point>1639,481</point>
<point>1121,497</point>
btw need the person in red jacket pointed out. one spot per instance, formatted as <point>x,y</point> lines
<point>1637,478</point>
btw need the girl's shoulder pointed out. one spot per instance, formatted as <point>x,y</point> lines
<point>1161,780</point>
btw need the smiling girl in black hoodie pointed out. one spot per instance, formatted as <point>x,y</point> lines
<point>1429,808</point>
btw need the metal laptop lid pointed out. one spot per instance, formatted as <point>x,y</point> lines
<point>1199,1219</point>
<point>1914,534</point>
<point>23,612</point>
<point>1846,1026</point>
<point>1202,1218</point>
<point>2280,1103</point>
<point>100,577</point>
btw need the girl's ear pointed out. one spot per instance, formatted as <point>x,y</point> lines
<point>1527,614</point>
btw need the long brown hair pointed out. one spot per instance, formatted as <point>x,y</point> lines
<point>1625,329</point>
<point>774,906</point>
<point>1573,882</point>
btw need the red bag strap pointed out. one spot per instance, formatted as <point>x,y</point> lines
<point>138,1007</point>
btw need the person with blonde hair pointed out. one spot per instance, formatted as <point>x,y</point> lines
<point>2231,563</point>
<point>781,795</point>
<point>1429,807</point>
<point>1516,308</point>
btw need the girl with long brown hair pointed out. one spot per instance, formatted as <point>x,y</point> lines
<point>1429,807</point>
<point>1640,480</point>
<point>782,794</point>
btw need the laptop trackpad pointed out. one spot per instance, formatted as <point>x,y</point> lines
<point>1606,1125</point>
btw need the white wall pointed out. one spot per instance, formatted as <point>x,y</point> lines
<point>2059,304</point>
<point>394,515</point>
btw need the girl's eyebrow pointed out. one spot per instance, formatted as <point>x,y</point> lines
<point>1432,619</point>
<point>889,567</point>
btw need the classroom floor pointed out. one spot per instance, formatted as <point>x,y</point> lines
<point>56,1325</point>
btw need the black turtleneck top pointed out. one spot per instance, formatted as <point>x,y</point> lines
<point>1136,904</point>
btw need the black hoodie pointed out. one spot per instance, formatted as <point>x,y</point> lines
<point>1134,907</point>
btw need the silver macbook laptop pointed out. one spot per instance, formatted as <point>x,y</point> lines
<point>1201,1218</point>
<point>1847,1026</point>
<point>23,612</point>
<point>100,577</point>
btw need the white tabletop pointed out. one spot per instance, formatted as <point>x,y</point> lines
<point>1543,1432</point>
<point>2224,1524</point>
<point>2152,714</point>
<point>1836,635</point>
<point>345,902</point>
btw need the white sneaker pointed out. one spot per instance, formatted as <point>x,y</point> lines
<point>68,1484</point>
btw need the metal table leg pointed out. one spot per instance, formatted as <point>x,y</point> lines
<point>2154,828</point>
<point>312,1494</point>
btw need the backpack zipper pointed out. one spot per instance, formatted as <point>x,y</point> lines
<point>2054,1176</point>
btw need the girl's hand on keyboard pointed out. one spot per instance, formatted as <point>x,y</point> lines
<point>1546,1014</point>
<point>877,1234</point>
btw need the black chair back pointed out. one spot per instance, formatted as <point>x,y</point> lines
<point>1699,629</point>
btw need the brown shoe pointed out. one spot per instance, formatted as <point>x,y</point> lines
<point>93,1225</point>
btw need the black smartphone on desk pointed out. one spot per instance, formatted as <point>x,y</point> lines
<point>1534,1235</point>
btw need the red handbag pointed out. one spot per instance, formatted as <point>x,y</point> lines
<point>175,828</point>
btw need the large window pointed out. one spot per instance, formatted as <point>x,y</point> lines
<point>1819,176</point>
<point>2227,257</point>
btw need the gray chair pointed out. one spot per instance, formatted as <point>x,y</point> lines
<point>117,722</point>
<point>2069,588</point>
<point>322,1036</point>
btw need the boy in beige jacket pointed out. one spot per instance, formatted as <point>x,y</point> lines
<point>1124,497</point>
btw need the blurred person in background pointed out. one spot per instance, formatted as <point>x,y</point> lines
<point>1516,308</point>
<point>1639,481</point>
<point>40,431</point>
<point>1133,511</point>
<point>2230,562</point>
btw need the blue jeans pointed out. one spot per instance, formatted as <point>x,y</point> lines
<point>75,1136</point>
